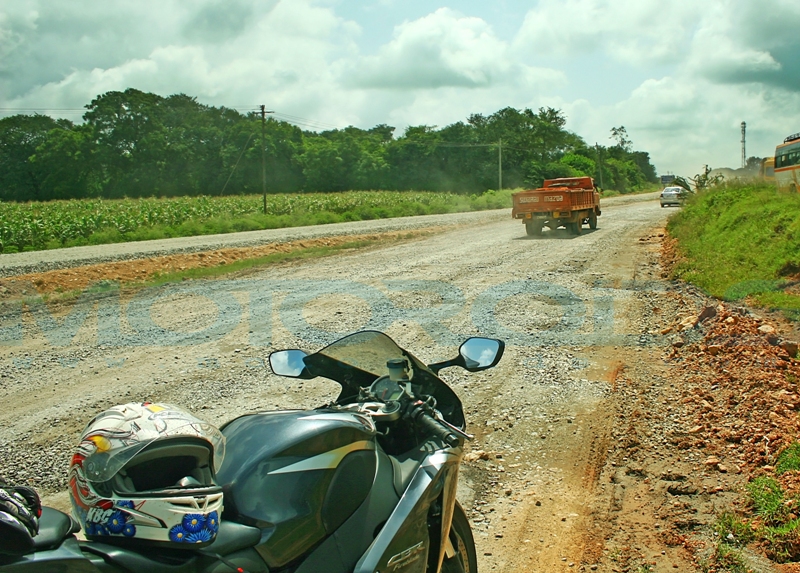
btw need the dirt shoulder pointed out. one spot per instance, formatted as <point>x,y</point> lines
<point>695,423</point>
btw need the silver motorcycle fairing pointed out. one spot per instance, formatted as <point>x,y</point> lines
<point>403,544</point>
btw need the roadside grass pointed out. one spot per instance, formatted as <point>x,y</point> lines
<point>56,224</point>
<point>772,526</point>
<point>766,495</point>
<point>788,459</point>
<point>775,527</point>
<point>741,241</point>
<point>733,530</point>
<point>727,558</point>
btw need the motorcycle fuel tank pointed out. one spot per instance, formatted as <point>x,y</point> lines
<point>297,475</point>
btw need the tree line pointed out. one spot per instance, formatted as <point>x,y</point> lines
<point>138,144</point>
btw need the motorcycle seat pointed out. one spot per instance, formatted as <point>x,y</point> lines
<point>234,536</point>
<point>54,527</point>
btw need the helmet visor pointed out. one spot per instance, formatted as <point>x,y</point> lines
<point>115,448</point>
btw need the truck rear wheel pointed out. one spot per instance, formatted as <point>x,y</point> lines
<point>592,220</point>
<point>533,228</point>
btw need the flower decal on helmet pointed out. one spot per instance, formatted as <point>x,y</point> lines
<point>177,534</point>
<point>112,521</point>
<point>196,528</point>
<point>212,522</point>
<point>97,529</point>
<point>201,536</point>
<point>194,522</point>
<point>116,523</point>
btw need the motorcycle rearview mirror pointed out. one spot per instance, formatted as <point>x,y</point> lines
<point>481,353</point>
<point>475,354</point>
<point>290,363</point>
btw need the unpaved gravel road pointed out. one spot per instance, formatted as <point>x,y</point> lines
<point>576,312</point>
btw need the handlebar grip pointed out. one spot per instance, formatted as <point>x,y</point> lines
<point>434,427</point>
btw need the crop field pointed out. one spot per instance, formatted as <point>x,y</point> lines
<point>54,224</point>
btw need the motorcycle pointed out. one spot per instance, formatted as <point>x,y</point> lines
<point>365,484</point>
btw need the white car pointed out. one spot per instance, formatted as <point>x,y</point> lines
<point>673,196</point>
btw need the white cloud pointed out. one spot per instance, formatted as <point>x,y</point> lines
<point>725,49</point>
<point>286,52</point>
<point>443,49</point>
<point>640,33</point>
<point>687,124</point>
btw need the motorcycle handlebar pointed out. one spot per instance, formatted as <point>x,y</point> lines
<point>431,425</point>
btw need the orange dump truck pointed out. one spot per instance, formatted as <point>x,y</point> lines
<point>571,202</point>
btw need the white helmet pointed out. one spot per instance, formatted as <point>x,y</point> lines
<point>145,472</point>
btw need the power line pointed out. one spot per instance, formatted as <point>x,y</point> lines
<point>302,121</point>
<point>41,109</point>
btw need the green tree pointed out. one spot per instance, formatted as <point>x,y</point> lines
<point>620,135</point>
<point>21,179</point>
<point>580,163</point>
<point>65,159</point>
<point>130,140</point>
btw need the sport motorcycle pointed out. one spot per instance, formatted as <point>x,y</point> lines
<point>364,484</point>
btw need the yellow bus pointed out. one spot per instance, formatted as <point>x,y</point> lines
<point>787,163</point>
<point>767,171</point>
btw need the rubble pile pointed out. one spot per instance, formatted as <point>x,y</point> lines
<point>742,392</point>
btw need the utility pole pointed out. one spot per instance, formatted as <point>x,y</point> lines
<point>744,152</point>
<point>263,155</point>
<point>599,165</point>
<point>264,113</point>
<point>500,164</point>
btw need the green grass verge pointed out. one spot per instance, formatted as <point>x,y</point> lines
<point>741,241</point>
<point>788,459</point>
<point>55,224</point>
<point>774,529</point>
<point>733,531</point>
<point>767,498</point>
<point>728,558</point>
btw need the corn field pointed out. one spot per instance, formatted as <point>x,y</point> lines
<point>54,224</point>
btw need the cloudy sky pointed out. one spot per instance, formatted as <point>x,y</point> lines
<point>680,75</point>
